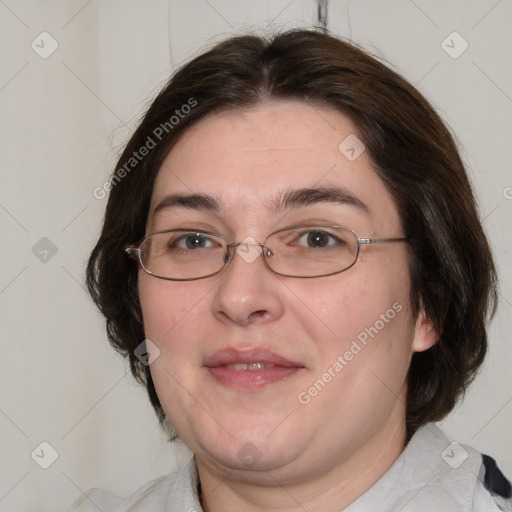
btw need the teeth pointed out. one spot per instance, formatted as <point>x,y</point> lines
<point>250,366</point>
<point>240,366</point>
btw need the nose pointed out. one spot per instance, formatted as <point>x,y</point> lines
<point>248,292</point>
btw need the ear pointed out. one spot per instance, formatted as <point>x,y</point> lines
<point>425,336</point>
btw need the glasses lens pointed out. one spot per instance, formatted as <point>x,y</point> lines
<point>311,251</point>
<point>182,254</point>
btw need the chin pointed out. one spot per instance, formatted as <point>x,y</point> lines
<point>249,449</point>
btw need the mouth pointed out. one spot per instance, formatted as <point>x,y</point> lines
<point>249,366</point>
<point>250,369</point>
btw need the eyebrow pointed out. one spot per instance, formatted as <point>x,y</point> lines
<point>290,199</point>
<point>188,201</point>
<point>307,196</point>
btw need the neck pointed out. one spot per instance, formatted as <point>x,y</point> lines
<point>331,490</point>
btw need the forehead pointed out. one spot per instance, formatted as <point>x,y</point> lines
<point>247,157</point>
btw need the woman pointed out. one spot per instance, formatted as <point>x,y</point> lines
<point>292,260</point>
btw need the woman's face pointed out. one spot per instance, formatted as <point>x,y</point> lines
<point>347,338</point>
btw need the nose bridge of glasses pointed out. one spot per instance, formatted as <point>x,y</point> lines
<point>236,245</point>
<point>249,249</point>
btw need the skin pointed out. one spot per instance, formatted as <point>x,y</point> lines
<point>316,456</point>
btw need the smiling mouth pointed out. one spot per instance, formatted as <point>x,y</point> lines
<point>249,366</point>
<point>250,369</point>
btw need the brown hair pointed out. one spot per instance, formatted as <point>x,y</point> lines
<point>451,267</point>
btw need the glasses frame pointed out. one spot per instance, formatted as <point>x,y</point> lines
<point>135,252</point>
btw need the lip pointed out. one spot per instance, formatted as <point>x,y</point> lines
<point>253,355</point>
<point>246,380</point>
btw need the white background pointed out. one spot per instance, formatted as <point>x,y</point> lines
<point>63,122</point>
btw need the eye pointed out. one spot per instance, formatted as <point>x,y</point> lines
<point>193,241</point>
<point>317,239</point>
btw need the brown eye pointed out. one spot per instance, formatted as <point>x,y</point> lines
<point>318,239</point>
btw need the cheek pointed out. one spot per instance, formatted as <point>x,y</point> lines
<point>171,313</point>
<point>381,327</point>
<point>361,324</point>
<point>338,309</point>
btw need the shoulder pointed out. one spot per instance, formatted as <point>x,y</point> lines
<point>459,476</point>
<point>154,495</point>
<point>493,492</point>
<point>435,473</point>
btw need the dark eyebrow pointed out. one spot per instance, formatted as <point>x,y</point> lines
<point>190,201</point>
<point>308,196</point>
<point>291,199</point>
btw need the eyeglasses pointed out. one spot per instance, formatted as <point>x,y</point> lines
<point>297,251</point>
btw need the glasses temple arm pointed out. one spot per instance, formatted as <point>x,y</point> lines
<point>381,240</point>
